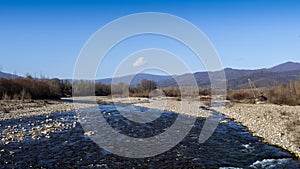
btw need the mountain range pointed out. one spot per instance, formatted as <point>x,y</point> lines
<point>7,75</point>
<point>236,78</point>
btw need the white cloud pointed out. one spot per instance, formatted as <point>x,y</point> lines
<point>139,62</point>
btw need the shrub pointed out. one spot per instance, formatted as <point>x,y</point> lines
<point>172,91</point>
<point>239,95</point>
<point>102,89</point>
<point>143,88</point>
<point>204,91</point>
<point>288,94</point>
<point>5,97</point>
<point>120,89</point>
<point>27,88</point>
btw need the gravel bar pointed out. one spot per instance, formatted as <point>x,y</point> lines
<point>277,124</point>
<point>15,109</point>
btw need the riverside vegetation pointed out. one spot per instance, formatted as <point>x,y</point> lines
<point>278,125</point>
<point>285,94</point>
<point>285,75</point>
<point>31,88</point>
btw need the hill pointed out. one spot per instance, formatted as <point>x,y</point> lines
<point>134,79</point>
<point>285,67</point>
<point>8,75</point>
<point>236,78</point>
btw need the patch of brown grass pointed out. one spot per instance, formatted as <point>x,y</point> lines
<point>239,95</point>
<point>288,94</point>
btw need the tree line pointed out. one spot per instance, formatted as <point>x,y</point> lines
<point>142,89</point>
<point>31,88</point>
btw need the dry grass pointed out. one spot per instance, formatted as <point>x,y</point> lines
<point>288,94</point>
<point>239,95</point>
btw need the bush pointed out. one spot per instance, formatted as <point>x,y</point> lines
<point>143,88</point>
<point>204,91</point>
<point>120,89</point>
<point>29,88</point>
<point>172,91</point>
<point>66,88</point>
<point>239,95</point>
<point>102,89</point>
<point>288,94</point>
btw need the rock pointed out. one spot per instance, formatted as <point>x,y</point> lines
<point>223,122</point>
<point>89,133</point>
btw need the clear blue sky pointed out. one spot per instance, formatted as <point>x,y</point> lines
<point>45,36</point>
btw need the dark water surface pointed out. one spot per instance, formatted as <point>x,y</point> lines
<point>230,146</point>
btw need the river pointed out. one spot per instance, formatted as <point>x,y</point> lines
<point>58,141</point>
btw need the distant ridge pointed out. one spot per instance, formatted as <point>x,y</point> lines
<point>236,78</point>
<point>8,75</point>
<point>134,79</point>
<point>285,67</point>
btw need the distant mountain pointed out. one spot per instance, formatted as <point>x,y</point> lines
<point>134,79</point>
<point>264,79</point>
<point>237,73</point>
<point>236,78</point>
<point>202,78</point>
<point>8,75</point>
<point>268,77</point>
<point>285,67</point>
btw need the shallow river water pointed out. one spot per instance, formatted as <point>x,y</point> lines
<point>65,145</point>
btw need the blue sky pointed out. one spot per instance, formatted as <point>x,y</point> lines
<point>44,37</point>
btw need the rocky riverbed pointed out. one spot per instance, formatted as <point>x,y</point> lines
<point>276,124</point>
<point>14,109</point>
<point>48,134</point>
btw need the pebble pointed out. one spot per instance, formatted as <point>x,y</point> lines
<point>223,122</point>
<point>89,133</point>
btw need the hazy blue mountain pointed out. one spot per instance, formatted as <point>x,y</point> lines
<point>134,79</point>
<point>8,75</point>
<point>267,77</point>
<point>264,79</point>
<point>285,67</point>
<point>236,78</point>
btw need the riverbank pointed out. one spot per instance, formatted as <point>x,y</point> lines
<point>15,109</point>
<point>277,125</point>
<point>39,141</point>
<point>187,106</point>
